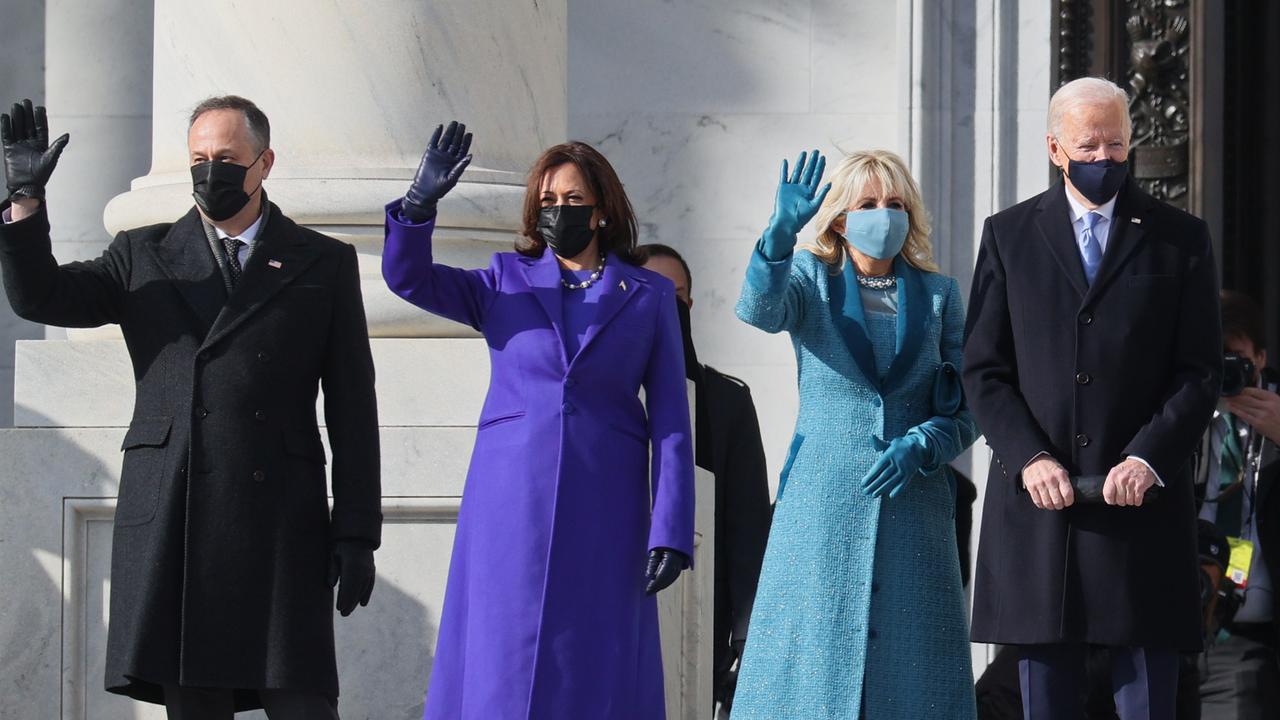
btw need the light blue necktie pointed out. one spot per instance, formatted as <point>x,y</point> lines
<point>1092,252</point>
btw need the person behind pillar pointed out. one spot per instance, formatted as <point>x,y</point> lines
<point>727,443</point>
<point>564,535</point>
<point>1092,349</point>
<point>225,551</point>
<point>1240,677</point>
<point>859,611</point>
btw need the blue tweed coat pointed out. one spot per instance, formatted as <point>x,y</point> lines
<point>859,611</point>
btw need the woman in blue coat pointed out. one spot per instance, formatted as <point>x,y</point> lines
<point>859,611</point>
<point>563,535</point>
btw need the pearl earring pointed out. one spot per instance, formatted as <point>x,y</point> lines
<point>603,222</point>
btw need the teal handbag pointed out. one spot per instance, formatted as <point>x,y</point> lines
<point>948,395</point>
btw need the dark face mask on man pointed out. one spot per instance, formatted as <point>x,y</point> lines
<point>566,229</point>
<point>1098,181</point>
<point>219,187</point>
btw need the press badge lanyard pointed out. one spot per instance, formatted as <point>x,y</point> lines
<point>1241,561</point>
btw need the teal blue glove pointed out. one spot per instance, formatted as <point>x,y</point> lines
<point>899,464</point>
<point>796,203</point>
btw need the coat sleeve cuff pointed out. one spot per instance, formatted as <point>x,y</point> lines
<point>359,525</point>
<point>767,276</point>
<point>1152,468</point>
<point>395,218</point>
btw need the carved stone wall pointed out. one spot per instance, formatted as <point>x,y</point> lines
<point>1145,46</point>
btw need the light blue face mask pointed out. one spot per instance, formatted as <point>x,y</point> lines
<point>878,233</point>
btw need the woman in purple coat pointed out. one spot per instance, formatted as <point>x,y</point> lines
<point>549,611</point>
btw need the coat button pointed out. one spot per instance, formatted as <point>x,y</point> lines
<point>1086,318</point>
<point>182,470</point>
<point>259,476</point>
<point>260,416</point>
<point>570,382</point>
<point>202,413</point>
<point>876,401</point>
<point>871,634</point>
<point>1082,440</point>
<point>875,587</point>
<point>567,408</point>
<point>264,356</point>
<point>1083,378</point>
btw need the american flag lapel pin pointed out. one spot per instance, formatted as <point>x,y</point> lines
<point>622,284</point>
<point>275,264</point>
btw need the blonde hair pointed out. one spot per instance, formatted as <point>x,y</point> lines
<point>886,170</point>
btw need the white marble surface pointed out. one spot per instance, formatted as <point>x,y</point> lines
<point>697,103</point>
<point>420,382</point>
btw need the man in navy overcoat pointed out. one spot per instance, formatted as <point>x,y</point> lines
<point>1092,349</point>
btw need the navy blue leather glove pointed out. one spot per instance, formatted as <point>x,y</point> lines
<point>795,204</point>
<point>29,159</point>
<point>899,464</point>
<point>352,563</point>
<point>665,565</point>
<point>442,164</point>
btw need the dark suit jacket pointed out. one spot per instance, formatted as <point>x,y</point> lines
<point>222,528</point>
<point>729,445</point>
<point>1091,374</point>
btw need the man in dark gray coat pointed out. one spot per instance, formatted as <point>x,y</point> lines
<point>1093,350</point>
<point>225,552</point>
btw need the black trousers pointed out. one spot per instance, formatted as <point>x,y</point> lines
<point>1240,678</point>
<point>186,703</point>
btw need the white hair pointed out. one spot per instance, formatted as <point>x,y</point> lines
<point>1087,91</point>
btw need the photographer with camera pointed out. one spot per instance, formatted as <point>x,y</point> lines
<point>1237,474</point>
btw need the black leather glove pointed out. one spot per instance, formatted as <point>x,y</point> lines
<point>442,165</point>
<point>352,563</point>
<point>665,565</point>
<point>28,158</point>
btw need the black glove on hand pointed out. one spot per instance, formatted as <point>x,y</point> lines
<point>439,171</point>
<point>665,565</point>
<point>28,158</point>
<point>352,562</point>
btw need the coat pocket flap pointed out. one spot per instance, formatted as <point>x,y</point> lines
<point>304,444</point>
<point>147,432</point>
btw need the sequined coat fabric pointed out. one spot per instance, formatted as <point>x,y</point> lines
<point>859,610</point>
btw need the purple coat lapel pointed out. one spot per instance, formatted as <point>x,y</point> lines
<point>543,277</point>
<point>619,287</point>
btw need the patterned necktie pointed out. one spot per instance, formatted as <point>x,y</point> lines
<point>232,245</point>
<point>1092,248</point>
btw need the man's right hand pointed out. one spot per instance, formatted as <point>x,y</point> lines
<point>29,159</point>
<point>1048,484</point>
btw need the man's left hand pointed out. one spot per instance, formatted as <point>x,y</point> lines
<point>1127,483</point>
<point>1259,408</point>
<point>352,563</point>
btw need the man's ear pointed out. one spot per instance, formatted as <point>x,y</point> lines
<point>1051,144</point>
<point>268,162</point>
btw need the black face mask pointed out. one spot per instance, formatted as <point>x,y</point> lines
<point>692,369</point>
<point>219,187</point>
<point>566,229</point>
<point>1098,181</point>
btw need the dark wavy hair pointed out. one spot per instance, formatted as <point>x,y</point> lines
<point>619,234</point>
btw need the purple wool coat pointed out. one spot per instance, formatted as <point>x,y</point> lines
<point>545,614</point>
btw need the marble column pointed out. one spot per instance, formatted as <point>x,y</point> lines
<point>353,95</point>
